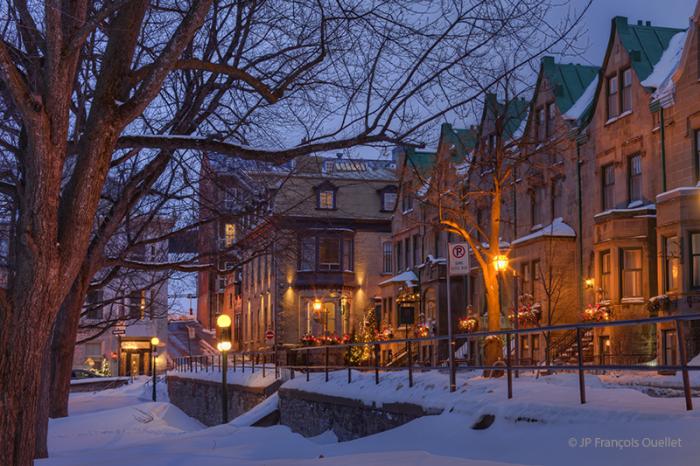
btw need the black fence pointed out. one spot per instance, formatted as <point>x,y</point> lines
<point>326,358</point>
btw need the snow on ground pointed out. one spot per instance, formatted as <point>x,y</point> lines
<point>543,424</point>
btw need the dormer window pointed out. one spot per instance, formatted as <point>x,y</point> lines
<point>325,196</point>
<point>619,93</point>
<point>388,196</point>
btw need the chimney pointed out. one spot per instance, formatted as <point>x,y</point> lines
<point>648,23</point>
<point>640,22</point>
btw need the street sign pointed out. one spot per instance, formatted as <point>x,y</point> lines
<point>458,260</point>
<point>269,335</point>
<point>119,331</point>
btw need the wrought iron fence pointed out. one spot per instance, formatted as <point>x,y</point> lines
<point>326,358</point>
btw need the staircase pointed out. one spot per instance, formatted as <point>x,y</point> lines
<point>565,349</point>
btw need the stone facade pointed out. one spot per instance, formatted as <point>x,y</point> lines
<point>201,399</point>
<point>311,414</point>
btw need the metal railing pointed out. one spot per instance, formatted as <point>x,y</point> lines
<point>306,359</point>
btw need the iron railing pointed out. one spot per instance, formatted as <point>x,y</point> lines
<point>304,358</point>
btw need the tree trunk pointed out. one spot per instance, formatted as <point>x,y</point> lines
<point>42,429</point>
<point>63,347</point>
<point>493,348</point>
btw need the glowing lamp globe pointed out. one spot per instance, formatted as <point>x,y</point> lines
<point>223,345</point>
<point>318,305</point>
<point>155,341</point>
<point>223,321</point>
<point>500,263</point>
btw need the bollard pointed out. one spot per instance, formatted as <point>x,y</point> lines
<point>376,364</point>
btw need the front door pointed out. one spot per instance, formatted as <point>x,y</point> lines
<point>604,351</point>
<point>670,347</point>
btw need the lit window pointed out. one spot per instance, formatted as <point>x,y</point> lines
<point>326,199</point>
<point>671,251</point>
<point>605,272</point>
<point>695,260</point>
<point>631,273</point>
<point>229,234</point>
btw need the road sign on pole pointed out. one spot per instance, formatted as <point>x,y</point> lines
<point>458,260</point>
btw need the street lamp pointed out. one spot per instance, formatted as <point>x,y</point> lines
<point>500,263</point>
<point>154,352</point>
<point>224,345</point>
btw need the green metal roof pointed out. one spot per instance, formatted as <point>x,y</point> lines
<point>463,139</point>
<point>567,80</point>
<point>644,43</point>
<point>420,160</point>
<point>515,112</point>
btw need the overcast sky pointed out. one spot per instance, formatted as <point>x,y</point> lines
<point>671,13</point>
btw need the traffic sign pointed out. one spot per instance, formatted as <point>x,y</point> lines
<point>458,260</point>
<point>119,331</point>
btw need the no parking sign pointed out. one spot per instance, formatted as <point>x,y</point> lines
<point>458,260</point>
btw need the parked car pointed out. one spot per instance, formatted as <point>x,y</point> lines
<point>82,374</point>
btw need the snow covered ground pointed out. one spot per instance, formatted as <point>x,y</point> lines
<point>543,424</point>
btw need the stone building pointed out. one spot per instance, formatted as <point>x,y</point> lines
<point>310,253</point>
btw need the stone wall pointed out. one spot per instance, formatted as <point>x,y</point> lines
<point>311,414</point>
<point>201,399</point>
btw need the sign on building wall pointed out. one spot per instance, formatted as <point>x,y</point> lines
<point>458,258</point>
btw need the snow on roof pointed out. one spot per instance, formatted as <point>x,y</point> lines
<point>408,277</point>
<point>557,228</point>
<point>681,191</point>
<point>668,62</point>
<point>583,102</point>
<point>628,210</point>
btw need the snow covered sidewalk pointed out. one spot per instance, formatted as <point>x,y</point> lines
<point>543,425</point>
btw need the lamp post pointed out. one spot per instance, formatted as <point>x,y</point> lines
<point>223,322</point>
<point>154,352</point>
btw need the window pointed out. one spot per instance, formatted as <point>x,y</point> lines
<point>229,234</point>
<point>608,187</point>
<point>308,254</point>
<point>386,256</point>
<point>696,150</point>
<point>407,252</point>
<point>536,276</point>
<point>406,315</point>
<point>626,90</point>
<point>348,265</point>
<point>399,257</point>
<point>525,279</point>
<point>631,270</point>
<point>541,123</point>
<point>551,115</point>
<point>635,178</point>
<point>329,254</point>
<point>536,196</point>
<point>695,260</point>
<point>605,273</point>
<point>671,255</point>
<point>406,198</point>
<point>416,250</point>
<point>231,198</point>
<point>612,93</point>
<point>326,199</point>
<point>93,348</point>
<point>388,201</point>
<point>557,199</point>
<point>93,304</point>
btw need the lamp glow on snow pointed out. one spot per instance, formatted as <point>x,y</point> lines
<point>500,263</point>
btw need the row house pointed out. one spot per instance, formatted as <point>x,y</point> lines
<point>308,262</point>
<point>120,317</point>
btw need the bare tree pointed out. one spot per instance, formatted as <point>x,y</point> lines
<point>87,86</point>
